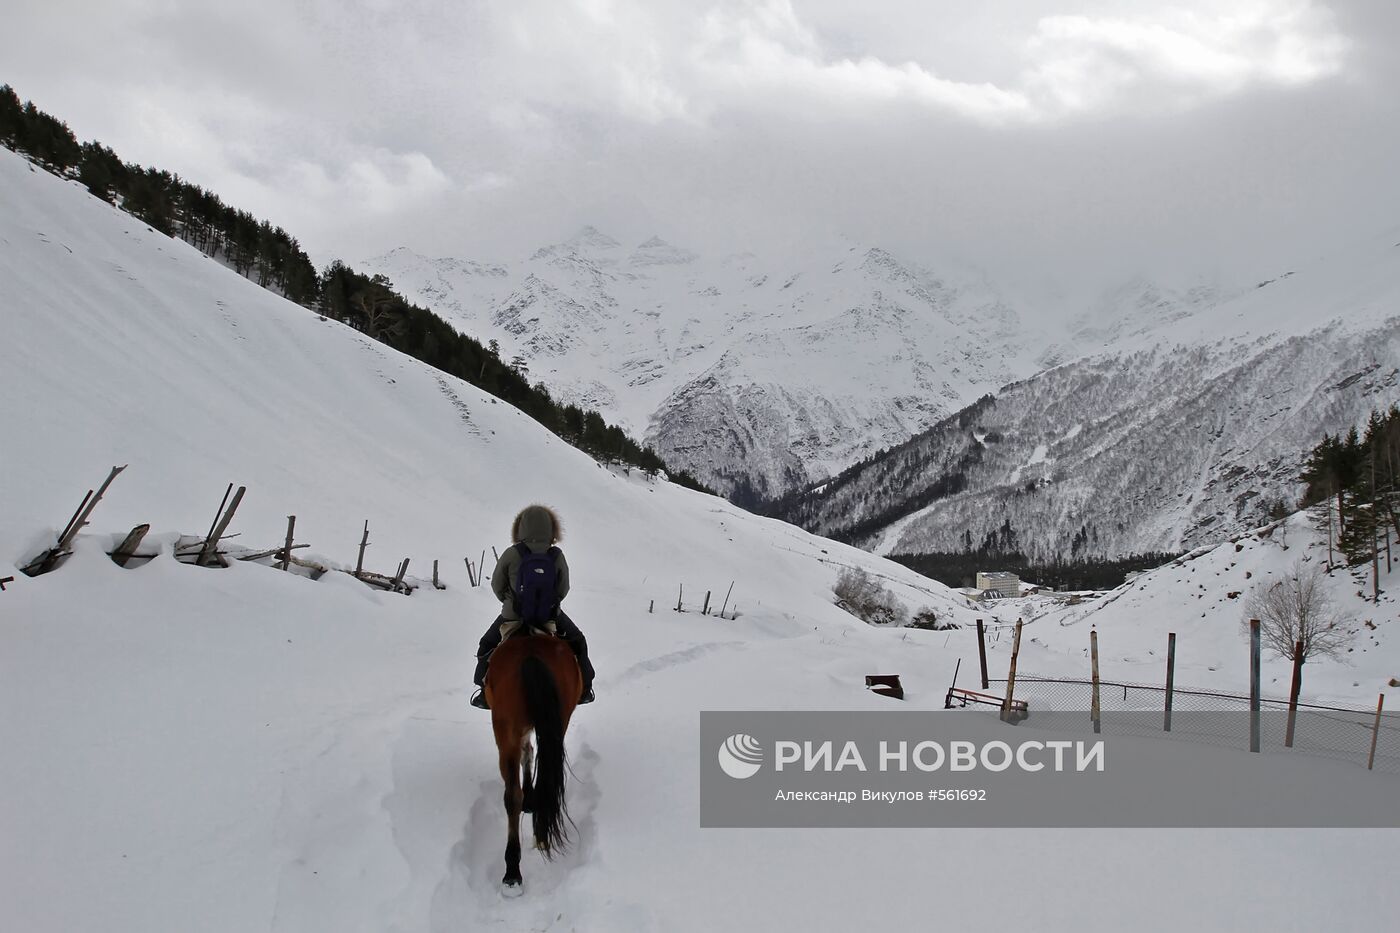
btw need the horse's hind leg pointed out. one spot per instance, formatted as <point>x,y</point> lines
<point>527,777</point>
<point>510,774</point>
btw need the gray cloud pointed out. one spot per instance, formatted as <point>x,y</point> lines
<point>1076,138</point>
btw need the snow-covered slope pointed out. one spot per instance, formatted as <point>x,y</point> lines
<point>1172,437</point>
<point>243,749</point>
<point>125,347</point>
<point>725,365</point>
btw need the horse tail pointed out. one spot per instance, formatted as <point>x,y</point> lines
<point>542,703</point>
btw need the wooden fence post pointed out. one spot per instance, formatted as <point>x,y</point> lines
<point>1375,734</point>
<point>73,521</point>
<point>982,652</point>
<point>129,544</point>
<point>651,607</point>
<point>726,599</point>
<point>1255,671</point>
<point>211,543</point>
<point>364,543</point>
<point>1171,681</point>
<point>287,554</point>
<point>80,518</point>
<point>481,568</point>
<point>706,610</point>
<point>1011,676</point>
<point>471,577</point>
<point>217,515</point>
<point>398,578</point>
<point>1094,655</point>
<point>46,561</point>
<point>679,593</point>
<point>1294,691</point>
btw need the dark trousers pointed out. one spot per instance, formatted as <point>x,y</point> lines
<point>562,624</point>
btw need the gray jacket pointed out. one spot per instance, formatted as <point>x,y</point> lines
<point>538,528</point>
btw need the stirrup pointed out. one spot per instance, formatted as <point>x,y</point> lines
<point>479,700</point>
<point>587,697</point>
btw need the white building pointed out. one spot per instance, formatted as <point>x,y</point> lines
<point>998,584</point>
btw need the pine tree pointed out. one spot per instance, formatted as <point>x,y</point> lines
<point>11,117</point>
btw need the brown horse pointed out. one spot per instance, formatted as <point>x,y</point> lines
<point>533,684</point>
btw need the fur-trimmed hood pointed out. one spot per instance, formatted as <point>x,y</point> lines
<point>539,529</point>
<point>538,526</point>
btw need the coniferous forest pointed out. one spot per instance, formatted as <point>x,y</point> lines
<point>1088,573</point>
<point>274,259</point>
<point>1352,485</point>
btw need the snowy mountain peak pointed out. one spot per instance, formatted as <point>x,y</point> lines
<point>589,246</point>
<point>1142,305</point>
<point>410,263</point>
<point>879,263</point>
<point>590,239</point>
<point>657,252</point>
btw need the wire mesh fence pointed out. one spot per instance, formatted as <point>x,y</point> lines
<point>1215,717</point>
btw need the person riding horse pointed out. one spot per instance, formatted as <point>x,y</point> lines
<point>536,531</point>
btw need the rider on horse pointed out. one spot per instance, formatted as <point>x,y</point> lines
<point>536,531</point>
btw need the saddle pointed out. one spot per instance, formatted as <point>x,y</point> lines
<point>528,628</point>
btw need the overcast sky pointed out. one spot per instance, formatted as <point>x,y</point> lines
<point>1089,137</point>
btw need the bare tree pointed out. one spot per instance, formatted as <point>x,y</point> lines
<point>867,599</point>
<point>381,309</point>
<point>1298,608</point>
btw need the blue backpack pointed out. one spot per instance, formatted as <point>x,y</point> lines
<point>536,586</point>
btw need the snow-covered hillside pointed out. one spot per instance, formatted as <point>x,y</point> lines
<point>244,749</point>
<point>725,365</point>
<point>1173,437</point>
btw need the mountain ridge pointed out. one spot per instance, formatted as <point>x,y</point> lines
<point>1161,443</point>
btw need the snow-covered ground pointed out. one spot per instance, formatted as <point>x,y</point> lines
<point>243,749</point>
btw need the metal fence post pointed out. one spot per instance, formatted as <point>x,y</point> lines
<point>1254,675</point>
<point>1375,734</point>
<point>982,651</point>
<point>1171,680</point>
<point>1094,654</point>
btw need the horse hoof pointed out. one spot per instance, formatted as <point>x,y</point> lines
<point>512,889</point>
